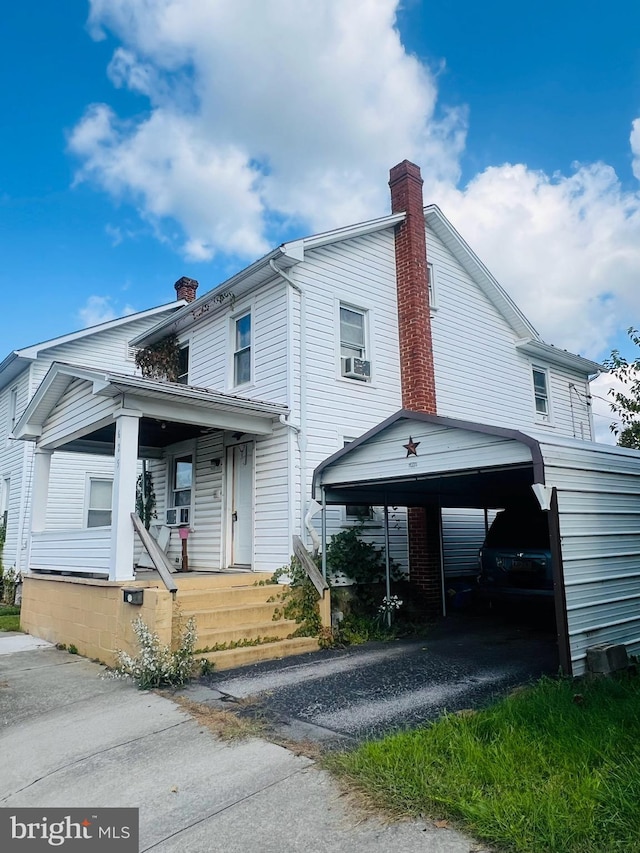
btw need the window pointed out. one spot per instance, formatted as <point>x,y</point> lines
<point>183,365</point>
<point>99,502</point>
<point>353,343</point>
<point>4,502</point>
<point>180,490</point>
<point>541,393</point>
<point>431,283</point>
<point>13,409</point>
<point>242,350</point>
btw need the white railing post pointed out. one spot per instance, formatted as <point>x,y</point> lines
<point>124,494</point>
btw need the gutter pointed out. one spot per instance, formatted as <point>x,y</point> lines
<point>301,429</point>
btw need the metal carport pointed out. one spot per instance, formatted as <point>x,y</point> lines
<point>591,491</point>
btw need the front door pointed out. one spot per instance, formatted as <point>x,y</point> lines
<point>241,504</point>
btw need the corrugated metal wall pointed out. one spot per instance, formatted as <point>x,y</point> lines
<point>598,490</point>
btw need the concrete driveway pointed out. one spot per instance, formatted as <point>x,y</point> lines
<point>340,697</point>
<point>70,738</point>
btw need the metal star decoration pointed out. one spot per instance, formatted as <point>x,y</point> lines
<point>411,447</point>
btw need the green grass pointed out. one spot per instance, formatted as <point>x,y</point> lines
<point>551,768</point>
<point>9,617</point>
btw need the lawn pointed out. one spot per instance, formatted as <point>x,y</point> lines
<point>555,767</point>
<point>9,618</point>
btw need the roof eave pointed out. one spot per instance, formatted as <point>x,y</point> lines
<point>540,349</point>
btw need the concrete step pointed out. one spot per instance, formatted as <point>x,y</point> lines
<point>229,617</point>
<point>216,580</point>
<point>249,631</point>
<point>230,658</point>
<point>191,600</point>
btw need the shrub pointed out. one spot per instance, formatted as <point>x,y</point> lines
<point>157,665</point>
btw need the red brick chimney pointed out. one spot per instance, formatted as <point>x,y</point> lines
<point>414,316</point>
<point>186,288</point>
<point>416,365</point>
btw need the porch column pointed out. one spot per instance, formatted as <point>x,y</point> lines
<point>40,495</point>
<point>123,501</point>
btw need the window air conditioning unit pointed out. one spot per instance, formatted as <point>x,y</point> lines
<point>177,515</point>
<point>356,368</point>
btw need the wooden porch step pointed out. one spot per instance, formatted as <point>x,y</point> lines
<point>247,631</point>
<point>230,658</point>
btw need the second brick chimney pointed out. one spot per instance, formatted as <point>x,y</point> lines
<point>414,316</point>
<point>186,288</point>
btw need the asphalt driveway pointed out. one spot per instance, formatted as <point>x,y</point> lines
<point>339,697</point>
<point>72,739</point>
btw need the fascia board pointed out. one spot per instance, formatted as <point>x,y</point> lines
<point>547,352</point>
<point>34,350</point>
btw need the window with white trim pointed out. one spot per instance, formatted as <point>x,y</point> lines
<point>99,493</point>
<point>431,284</point>
<point>13,409</point>
<point>4,502</point>
<point>541,393</point>
<point>183,365</point>
<point>242,349</point>
<point>180,489</point>
<point>353,343</point>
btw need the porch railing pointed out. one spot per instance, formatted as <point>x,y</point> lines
<point>156,554</point>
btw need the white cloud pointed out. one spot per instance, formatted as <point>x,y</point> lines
<point>294,110</point>
<point>100,309</point>
<point>290,109</point>
<point>566,248</point>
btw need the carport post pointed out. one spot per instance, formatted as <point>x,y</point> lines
<point>387,560</point>
<point>324,534</point>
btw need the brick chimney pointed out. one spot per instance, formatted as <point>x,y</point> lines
<point>186,288</point>
<point>414,317</point>
<point>416,365</point>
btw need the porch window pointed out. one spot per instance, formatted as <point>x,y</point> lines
<point>99,502</point>
<point>242,350</point>
<point>181,480</point>
<point>4,502</point>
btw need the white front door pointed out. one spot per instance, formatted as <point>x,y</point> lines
<point>241,504</point>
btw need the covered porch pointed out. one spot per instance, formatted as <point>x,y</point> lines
<point>171,428</point>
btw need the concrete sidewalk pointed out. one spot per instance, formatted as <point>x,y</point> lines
<point>70,738</point>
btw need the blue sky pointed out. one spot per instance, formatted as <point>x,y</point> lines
<point>142,144</point>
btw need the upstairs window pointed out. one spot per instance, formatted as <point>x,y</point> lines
<point>353,343</point>
<point>183,365</point>
<point>242,350</point>
<point>13,409</point>
<point>431,284</point>
<point>99,502</point>
<point>541,393</point>
<point>180,490</point>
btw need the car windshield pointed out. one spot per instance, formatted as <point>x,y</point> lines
<point>517,529</point>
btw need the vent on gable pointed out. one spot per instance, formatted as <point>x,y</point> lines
<point>130,352</point>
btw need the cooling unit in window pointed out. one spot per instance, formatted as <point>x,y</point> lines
<point>177,515</point>
<point>356,368</point>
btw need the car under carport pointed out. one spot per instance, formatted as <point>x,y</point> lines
<point>590,491</point>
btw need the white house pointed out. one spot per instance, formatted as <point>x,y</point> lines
<point>78,481</point>
<point>283,364</point>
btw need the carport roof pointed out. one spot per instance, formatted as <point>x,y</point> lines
<point>416,459</point>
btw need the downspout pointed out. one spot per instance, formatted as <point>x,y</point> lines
<point>301,429</point>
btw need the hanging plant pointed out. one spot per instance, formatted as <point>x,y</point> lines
<point>160,360</point>
<point>145,498</point>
